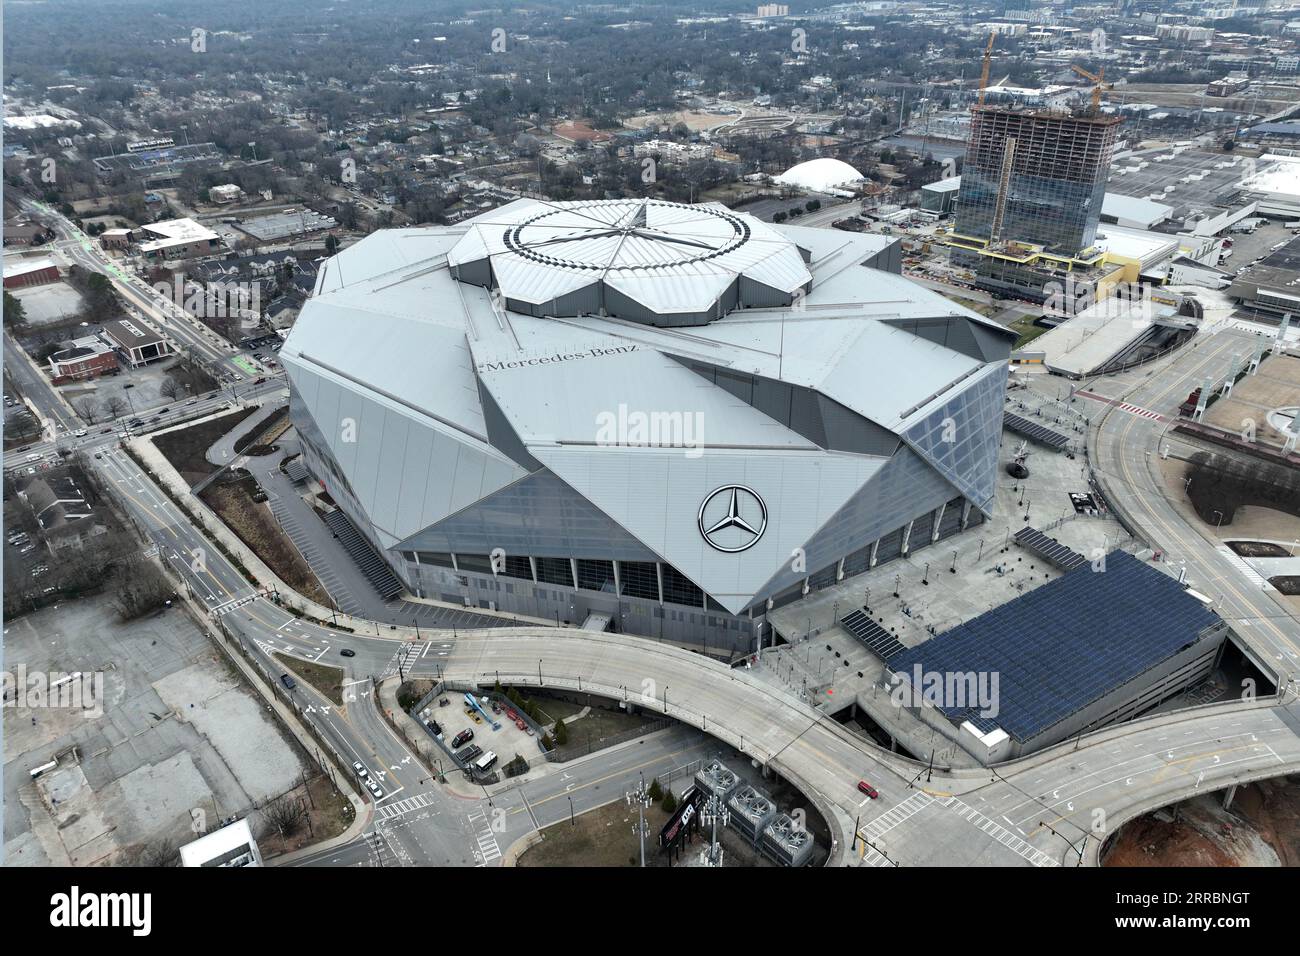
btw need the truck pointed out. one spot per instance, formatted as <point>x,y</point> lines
<point>1189,405</point>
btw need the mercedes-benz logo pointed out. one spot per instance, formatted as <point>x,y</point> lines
<point>732,518</point>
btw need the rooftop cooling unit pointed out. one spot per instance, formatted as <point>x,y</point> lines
<point>786,842</point>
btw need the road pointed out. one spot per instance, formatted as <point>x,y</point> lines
<point>1125,449</point>
<point>187,332</point>
<point>1042,810</point>
<point>59,425</point>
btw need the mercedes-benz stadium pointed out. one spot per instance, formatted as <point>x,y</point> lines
<point>665,418</point>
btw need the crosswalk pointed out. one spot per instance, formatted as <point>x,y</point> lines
<point>1240,563</point>
<point>488,851</point>
<point>222,610</point>
<point>999,833</point>
<point>402,660</point>
<point>399,808</point>
<point>878,827</point>
<point>882,824</point>
<point>1128,407</point>
<point>1141,412</point>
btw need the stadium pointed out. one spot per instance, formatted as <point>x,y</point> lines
<point>665,419</point>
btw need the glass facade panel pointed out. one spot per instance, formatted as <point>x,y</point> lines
<point>596,575</point>
<point>679,589</point>
<point>474,562</point>
<point>639,579</point>
<point>518,567</point>
<point>555,571</point>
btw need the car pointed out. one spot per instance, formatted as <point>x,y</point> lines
<point>79,433</point>
<point>361,770</point>
<point>136,422</point>
<point>288,682</point>
<point>106,431</point>
<point>348,652</point>
<point>27,549</point>
<point>33,457</point>
<point>375,790</point>
<point>868,789</point>
<point>434,726</point>
<point>464,737</point>
<point>259,380</point>
<point>469,753</point>
<point>156,418</point>
<point>98,456</point>
<point>192,401</point>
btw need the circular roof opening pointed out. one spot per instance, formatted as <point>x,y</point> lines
<point>643,260</point>
<point>635,235</point>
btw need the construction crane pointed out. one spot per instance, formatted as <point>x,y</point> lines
<point>1099,83</point>
<point>984,75</point>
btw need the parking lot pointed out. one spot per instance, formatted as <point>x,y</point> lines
<point>179,738</point>
<point>457,717</point>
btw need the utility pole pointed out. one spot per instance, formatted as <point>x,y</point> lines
<point>713,811</point>
<point>640,798</point>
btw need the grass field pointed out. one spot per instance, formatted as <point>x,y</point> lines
<point>326,679</point>
<point>185,448</point>
<point>1027,330</point>
<point>256,526</point>
<point>601,837</point>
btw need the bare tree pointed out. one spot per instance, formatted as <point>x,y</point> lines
<point>286,814</point>
<point>161,852</point>
<point>170,387</point>
<point>114,406</point>
<point>87,409</point>
<point>139,587</point>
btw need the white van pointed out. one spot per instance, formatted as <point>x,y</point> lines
<point>485,762</point>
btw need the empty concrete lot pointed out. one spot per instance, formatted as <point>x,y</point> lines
<point>180,737</point>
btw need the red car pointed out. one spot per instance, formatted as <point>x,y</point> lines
<point>868,789</point>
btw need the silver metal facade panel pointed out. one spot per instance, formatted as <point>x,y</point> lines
<point>657,496</point>
<point>536,515</point>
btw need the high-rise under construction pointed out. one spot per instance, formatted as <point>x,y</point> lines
<point>1030,199</point>
<point>1035,176</point>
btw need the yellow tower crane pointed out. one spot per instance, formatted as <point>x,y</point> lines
<point>984,76</point>
<point>1099,83</point>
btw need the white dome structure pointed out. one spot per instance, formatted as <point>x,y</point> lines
<point>821,175</point>
<point>478,401</point>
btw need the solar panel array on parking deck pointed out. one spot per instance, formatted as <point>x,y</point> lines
<point>1066,644</point>
<point>1034,431</point>
<point>872,634</point>
<point>1049,549</point>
